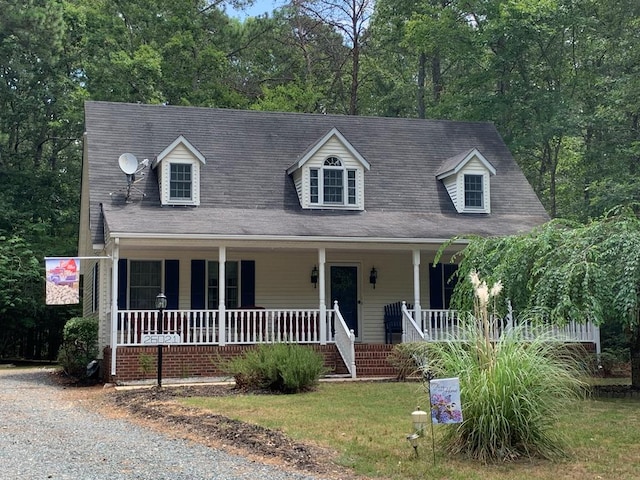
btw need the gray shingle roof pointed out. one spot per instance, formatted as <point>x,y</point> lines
<point>245,189</point>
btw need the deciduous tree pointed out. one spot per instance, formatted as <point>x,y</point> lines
<point>564,271</point>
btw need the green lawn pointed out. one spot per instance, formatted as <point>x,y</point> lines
<point>367,423</point>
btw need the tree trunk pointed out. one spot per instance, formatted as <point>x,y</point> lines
<point>634,347</point>
<point>355,70</point>
<point>436,76</point>
<point>422,76</point>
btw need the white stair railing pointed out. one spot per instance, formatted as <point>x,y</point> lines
<point>411,332</point>
<point>345,340</point>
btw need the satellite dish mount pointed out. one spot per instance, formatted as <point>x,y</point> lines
<point>130,167</point>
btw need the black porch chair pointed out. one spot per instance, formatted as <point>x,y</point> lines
<point>393,320</point>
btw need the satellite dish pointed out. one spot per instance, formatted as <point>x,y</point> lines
<point>128,163</point>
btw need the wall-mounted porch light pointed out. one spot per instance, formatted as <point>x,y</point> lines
<point>314,276</point>
<point>373,277</point>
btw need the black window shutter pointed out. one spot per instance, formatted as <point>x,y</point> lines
<point>248,283</point>
<point>198,284</point>
<point>172,282</point>
<point>122,284</point>
<point>436,287</point>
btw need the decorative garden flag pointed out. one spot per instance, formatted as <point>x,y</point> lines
<point>63,281</point>
<point>445,400</point>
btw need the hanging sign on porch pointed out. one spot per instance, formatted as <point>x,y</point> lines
<point>445,400</point>
<point>62,281</point>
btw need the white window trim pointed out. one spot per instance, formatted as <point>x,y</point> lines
<point>474,208</point>
<point>321,203</point>
<point>165,186</point>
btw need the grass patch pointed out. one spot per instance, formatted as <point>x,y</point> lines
<point>367,423</point>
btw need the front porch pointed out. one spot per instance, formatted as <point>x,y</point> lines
<point>198,340</point>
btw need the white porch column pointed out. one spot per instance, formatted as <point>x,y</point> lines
<point>115,255</point>
<point>416,289</point>
<point>222,290</point>
<point>322,258</point>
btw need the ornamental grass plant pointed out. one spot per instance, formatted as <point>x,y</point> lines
<point>512,389</point>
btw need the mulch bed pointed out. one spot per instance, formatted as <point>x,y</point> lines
<point>160,409</point>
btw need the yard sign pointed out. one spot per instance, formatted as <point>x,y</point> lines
<point>445,400</point>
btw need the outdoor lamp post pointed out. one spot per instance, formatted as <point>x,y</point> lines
<point>161,304</point>
<point>419,419</point>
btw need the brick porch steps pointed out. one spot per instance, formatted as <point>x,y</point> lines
<point>371,360</point>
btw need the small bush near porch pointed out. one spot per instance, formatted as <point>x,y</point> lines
<point>278,367</point>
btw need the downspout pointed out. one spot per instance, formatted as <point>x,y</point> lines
<point>115,255</point>
<point>322,258</point>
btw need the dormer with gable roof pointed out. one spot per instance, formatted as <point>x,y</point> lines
<point>179,173</point>
<point>467,179</point>
<point>330,174</point>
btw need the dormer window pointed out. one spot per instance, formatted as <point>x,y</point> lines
<point>330,174</point>
<point>180,182</point>
<point>467,180</point>
<point>179,173</point>
<point>473,191</point>
<point>333,184</point>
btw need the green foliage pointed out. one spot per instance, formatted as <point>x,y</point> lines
<point>403,358</point>
<point>147,363</point>
<point>80,345</point>
<point>280,367</point>
<point>612,359</point>
<point>510,405</point>
<point>564,272</point>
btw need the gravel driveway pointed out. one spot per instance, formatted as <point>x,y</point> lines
<point>44,434</point>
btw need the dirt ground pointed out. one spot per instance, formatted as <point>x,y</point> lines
<point>160,410</point>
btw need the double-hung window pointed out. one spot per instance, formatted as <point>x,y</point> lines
<point>180,181</point>
<point>473,191</point>
<point>213,285</point>
<point>145,281</point>
<point>333,184</point>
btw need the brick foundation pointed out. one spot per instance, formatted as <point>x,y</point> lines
<point>190,361</point>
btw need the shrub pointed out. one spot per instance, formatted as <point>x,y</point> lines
<point>403,358</point>
<point>278,367</point>
<point>79,345</point>
<point>511,405</point>
<point>613,359</point>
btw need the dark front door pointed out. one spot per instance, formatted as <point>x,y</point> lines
<point>344,289</point>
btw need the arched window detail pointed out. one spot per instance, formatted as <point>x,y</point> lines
<point>333,184</point>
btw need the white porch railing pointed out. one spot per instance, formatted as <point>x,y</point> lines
<point>240,326</point>
<point>443,325</point>
<point>203,327</point>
